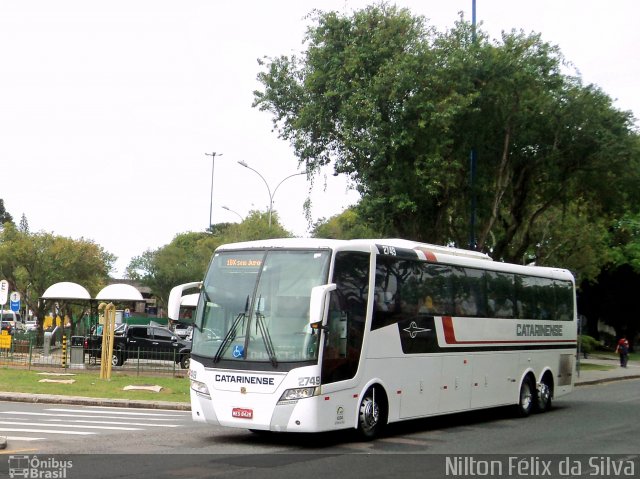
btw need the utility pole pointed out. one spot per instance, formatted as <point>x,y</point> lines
<point>213,164</point>
<point>473,157</point>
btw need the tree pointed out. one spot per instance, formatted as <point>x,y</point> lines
<point>33,262</point>
<point>182,261</point>
<point>5,217</point>
<point>186,258</point>
<point>346,225</point>
<point>24,224</point>
<point>398,106</point>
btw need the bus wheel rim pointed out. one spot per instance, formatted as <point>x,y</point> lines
<point>544,394</point>
<point>525,396</point>
<point>369,414</point>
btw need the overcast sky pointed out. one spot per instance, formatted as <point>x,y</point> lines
<point>108,108</point>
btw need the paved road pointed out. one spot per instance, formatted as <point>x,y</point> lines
<point>594,421</point>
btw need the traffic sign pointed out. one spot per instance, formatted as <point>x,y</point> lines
<point>4,291</point>
<point>14,301</point>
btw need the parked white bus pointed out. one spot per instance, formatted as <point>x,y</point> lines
<point>310,335</point>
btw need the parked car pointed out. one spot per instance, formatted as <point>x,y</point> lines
<point>31,325</point>
<point>12,327</point>
<point>144,342</point>
<point>183,330</point>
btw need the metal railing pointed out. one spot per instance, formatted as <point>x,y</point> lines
<point>26,352</point>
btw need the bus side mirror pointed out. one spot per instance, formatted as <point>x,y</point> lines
<point>175,299</point>
<point>317,303</point>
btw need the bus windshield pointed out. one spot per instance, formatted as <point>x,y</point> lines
<point>254,306</point>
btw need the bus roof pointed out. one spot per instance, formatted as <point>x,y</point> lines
<point>426,251</point>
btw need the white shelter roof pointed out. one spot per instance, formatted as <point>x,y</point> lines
<point>119,292</point>
<point>66,290</point>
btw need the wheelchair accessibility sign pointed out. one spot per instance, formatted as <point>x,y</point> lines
<point>238,351</point>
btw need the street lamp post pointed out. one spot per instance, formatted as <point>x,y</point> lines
<point>213,164</point>
<point>271,195</point>
<point>229,209</point>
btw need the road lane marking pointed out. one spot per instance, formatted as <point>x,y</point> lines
<point>25,438</point>
<point>74,421</point>
<point>48,431</point>
<point>44,424</point>
<point>19,413</point>
<point>125,413</point>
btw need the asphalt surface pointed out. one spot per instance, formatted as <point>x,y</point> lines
<point>584,378</point>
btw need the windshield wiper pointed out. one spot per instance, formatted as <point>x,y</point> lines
<point>266,338</point>
<point>231,334</point>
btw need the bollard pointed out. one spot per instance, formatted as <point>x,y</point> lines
<point>64,351</point>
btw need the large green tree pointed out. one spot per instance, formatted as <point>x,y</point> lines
<point>398,106</point>
<point>33,262</point>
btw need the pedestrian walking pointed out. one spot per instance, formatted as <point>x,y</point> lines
<point>623,350</point>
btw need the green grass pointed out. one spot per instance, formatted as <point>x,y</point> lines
<point>595,367</point>
<point>635,356</point>
<point>89,384</point>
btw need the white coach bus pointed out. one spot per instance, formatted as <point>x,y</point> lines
<point>310,335</point>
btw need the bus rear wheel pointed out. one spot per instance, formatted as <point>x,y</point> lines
<point>526,399</point>
<point>372,414</point>
<point>545,393</point>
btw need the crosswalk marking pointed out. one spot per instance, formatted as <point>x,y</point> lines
<point>24,438</point>
<point>123,413</point>
<point>48,431</point>
<point>33,426</point>
<point>44,414</point>
<point>80,426</point>
<point>129,423</point>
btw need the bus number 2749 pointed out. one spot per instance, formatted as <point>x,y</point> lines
<point>309,381</point>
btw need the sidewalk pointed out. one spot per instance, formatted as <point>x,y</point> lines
<point>632,371</point>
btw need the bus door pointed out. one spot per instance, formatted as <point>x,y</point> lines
<point>344,333</point>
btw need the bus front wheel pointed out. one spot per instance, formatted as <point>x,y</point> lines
<point>372,414</point>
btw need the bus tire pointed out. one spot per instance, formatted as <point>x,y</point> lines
<point>526,398</point>
<point>544,393</point>
<point>372,414</point>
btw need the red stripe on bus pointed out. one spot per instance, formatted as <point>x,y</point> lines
<point>428,254</point>
<point>450,337</point>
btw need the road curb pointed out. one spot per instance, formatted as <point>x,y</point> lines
<point>606,380</point>
<point>88,401</point>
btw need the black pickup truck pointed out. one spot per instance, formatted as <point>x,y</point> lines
<point>142,342</point>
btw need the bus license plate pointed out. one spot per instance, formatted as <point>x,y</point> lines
<point>242,413</point>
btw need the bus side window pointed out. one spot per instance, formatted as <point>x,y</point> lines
<point>346,320</point>
<point>336,332</point>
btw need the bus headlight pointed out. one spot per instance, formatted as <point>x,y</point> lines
<point>298,393</point>
<point>200,388</point>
